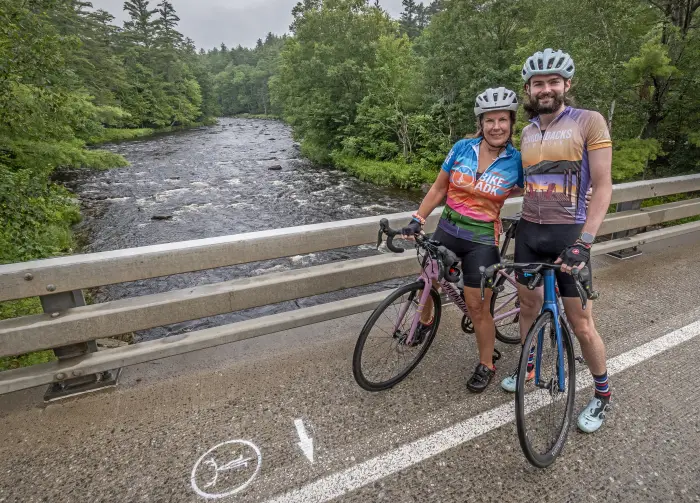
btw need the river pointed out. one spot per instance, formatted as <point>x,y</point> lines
<point>241,175</point>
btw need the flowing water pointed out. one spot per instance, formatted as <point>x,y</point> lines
<point>241,175</point>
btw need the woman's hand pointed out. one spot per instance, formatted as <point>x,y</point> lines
<point>414,227</point>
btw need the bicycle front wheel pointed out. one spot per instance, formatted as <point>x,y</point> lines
<point>383,355</point>
<point>544,411</point>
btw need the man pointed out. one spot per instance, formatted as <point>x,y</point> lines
<point>565,151</point>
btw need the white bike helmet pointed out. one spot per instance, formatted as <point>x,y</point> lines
<point>547,63</point>
<point>494,99</point>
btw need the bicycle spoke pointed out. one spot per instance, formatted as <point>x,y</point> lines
<point>546,408</point>
<point>506,302</point>
<point>385,352</point>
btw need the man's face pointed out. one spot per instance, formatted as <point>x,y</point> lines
<point>546,92</point>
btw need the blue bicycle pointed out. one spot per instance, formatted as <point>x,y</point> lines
<point>544,397</point>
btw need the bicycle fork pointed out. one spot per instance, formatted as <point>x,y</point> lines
<point>425,294</point>
<point>551,305</point>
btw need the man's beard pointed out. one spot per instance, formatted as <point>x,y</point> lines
<point>539,108</point>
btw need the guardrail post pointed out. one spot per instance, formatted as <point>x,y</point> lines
<point>54,304</point>
<point>627,252</point>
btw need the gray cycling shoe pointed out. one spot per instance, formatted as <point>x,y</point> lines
<point>593,415</point>
<point>511,382</point>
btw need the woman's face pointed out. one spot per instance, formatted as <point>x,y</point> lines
<point>496,127</point>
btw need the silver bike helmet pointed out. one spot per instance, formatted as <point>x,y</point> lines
<point>494,99</point>
<point>547,63</point>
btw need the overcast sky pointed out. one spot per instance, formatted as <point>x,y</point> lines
<point>233,22</point>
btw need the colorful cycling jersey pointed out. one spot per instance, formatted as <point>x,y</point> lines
<point>474,201</point>
<point>557,174</point>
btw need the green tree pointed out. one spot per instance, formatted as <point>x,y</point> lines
<point>141,28</point>
<point>386,124</point>
<point>409,18</point>
<point>45,122</point>
<point>323,69</point>
<point>468,47</point>
<point>168,36</point>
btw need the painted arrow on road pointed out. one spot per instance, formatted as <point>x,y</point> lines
<point>306,443</point>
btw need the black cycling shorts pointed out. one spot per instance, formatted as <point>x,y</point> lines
<point>544,243</point>
<point>473,255</point>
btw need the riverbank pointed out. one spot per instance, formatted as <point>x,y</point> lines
<point>47,209</point>
<point>53,235</point>
<point>395,174</point>
<point>258,116</point>
<point>114,135</point>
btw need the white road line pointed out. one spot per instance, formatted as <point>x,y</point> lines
<point>374,469</point>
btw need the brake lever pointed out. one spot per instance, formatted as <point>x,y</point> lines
<point>482,284</point>
<point>581,292</point>
<point>584,276</point>
<point>383,226</point>
<point>488,277</point>
<point>534,281</point>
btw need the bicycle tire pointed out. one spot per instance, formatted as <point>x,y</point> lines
<point>360,377</point>
<point>543,460</point>
<point>502,336</point>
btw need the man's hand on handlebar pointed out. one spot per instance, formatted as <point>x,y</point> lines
<point>574,257</point>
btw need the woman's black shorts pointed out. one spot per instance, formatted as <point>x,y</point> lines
<point>473,255</point>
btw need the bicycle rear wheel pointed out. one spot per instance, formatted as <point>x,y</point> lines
<point>502,303</point>
<point>382,358</point>
<point>544,415</point>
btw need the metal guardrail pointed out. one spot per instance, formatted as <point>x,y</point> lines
<point>65,274</point>
<point>68,325</point>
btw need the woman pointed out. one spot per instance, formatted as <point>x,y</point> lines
<point>477,177</point>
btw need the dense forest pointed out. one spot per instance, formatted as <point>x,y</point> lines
<point>359,88</point>
<point>383,98</point>
<point>69,78</point>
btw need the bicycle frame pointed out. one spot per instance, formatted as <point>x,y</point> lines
<point>504,248</point>
<point>430,273</point>
<point>551,304</point>
<point>513,295</point>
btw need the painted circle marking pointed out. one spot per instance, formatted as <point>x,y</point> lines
<point>233,464</point>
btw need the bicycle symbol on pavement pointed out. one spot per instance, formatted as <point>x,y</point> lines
<point>226,469</point>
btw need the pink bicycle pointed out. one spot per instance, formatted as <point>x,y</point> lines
<point>390,346</point>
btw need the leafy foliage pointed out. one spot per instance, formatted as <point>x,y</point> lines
<point>407,92</point>
<point>70,77</point>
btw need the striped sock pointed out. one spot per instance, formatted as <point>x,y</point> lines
<point>602,386</point>
<point>531,359</point>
